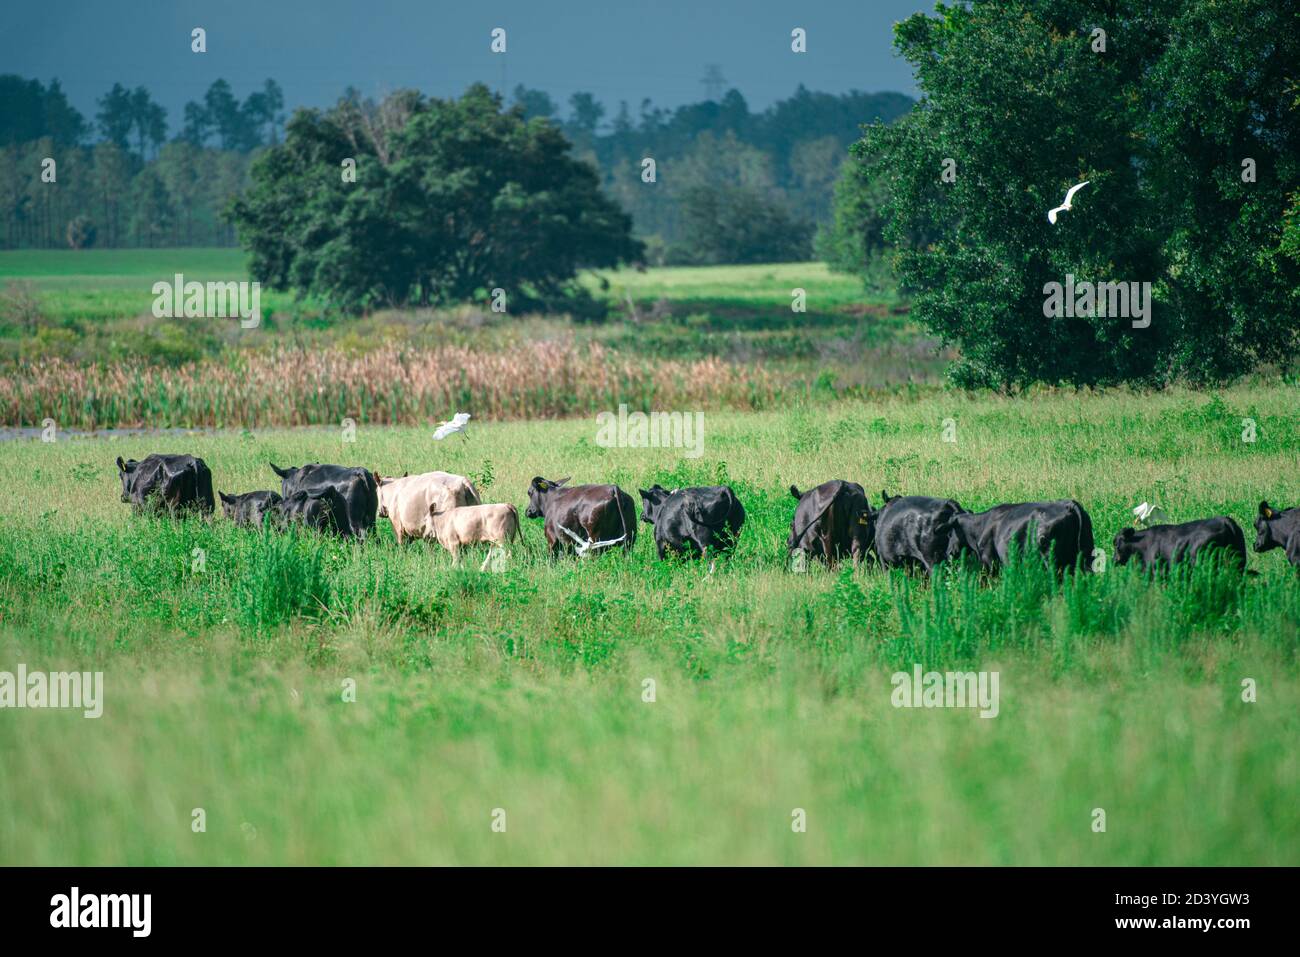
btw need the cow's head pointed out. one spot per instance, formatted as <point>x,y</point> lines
<point>1268,534</point>
<point>651,501</point>
<point>384,494</point>
<point>124,471</point>
<point>1125,546</point>
<point>959,538</point>
<point>862,533</point>
<point>228,503</point>
<point>539,489</point>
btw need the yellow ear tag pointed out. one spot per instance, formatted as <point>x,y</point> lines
<point>862,519</point>
<point>1268,513</point>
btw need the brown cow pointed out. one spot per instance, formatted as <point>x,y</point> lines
<point>583,518</point>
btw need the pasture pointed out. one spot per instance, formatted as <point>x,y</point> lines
<point>523,689</point>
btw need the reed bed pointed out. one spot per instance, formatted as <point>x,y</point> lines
<point>391,385</point>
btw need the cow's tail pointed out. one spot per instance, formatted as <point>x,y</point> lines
<point>1085,544</point>
<point>622,519</point>
<point>796,539</point>
<point>513,533</point>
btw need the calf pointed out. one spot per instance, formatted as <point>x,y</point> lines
<point>1278,528</point>
<point>831,521</point>
<point>409,501</point>
<point>323,509</point>
<point>355,485</point>
<point>250,509</point>
<point>471,524</point>
<point>914,530</point>
<point>692,520</point>
<point>582,517</point>
<point>1166,545</point>
<point>1062,533</point>
<point>173,482</point>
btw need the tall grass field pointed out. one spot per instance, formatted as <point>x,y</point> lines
<point>312,701</point>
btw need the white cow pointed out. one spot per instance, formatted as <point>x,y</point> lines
<point>474,524</point>
<point>410,501</point>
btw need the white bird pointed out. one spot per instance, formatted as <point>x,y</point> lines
<point>1069,198</point>
<point>457,424</point>
<point>1148,514</point>
<point>582,548</point>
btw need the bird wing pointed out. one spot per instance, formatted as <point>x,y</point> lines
<point>1051,214</point>
<point>460,419</point>
<point>442,431</point>
<point>1069,196</point>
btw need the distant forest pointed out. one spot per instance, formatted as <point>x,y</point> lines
<point>730,185</point>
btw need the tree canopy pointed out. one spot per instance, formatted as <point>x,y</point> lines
<point>1183,117</point>
<point>451,199</point>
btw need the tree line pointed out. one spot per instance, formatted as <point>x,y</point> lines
<point>729,184</point>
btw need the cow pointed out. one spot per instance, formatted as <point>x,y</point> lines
<point>691,521</point>
<point>583,518</point>
<point>323,509</point>
<point>250,509</point>
<point>171,482</point>
<point>831,521</point>
<point>356,485</point>
<point>409,501</point>
<point>1278,528</point>
<point>458,526</point>
<point>914,530</point>
<point>1161,546</point>
<point>1062,534</point>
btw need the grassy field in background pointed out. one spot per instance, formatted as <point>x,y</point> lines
<point>522,689</point>
<point>94,307</point>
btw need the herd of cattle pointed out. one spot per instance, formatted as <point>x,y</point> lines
<point>831,522</point>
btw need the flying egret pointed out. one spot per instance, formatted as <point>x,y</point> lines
<point>457,424</point>
<point>1148,514</point>
<point>1069,198</point>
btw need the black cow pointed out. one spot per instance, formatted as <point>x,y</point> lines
<point>692,520</point>
<point>323,509</point>
<point>1278,528</point>
<point>1165,545</point>
<point>582,517</point>
<point>173,482</point>
<point>916,530</point>
<point>250,509</point>
<point>1063,533</point>
<point>356,485</point>
<point>831,521</point>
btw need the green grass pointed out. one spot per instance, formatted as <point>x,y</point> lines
<point>95,306</point>
<point>522,689</point>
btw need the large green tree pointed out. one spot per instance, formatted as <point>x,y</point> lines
<point>1022,98</point>
<point>451,199</point>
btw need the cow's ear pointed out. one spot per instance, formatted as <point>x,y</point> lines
<point>406,475</point>
<point>563,481</point>
<point>225,497</point>
<point>283,473</point>
<point>121,466</point>
<point>794,490</point>
<point>540,483</point>
<point>884,497</point>
<point>644,493</point>
<point>1126,533</point>
<point>1265,510</point>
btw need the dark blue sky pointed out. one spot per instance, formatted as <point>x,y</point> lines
<point>616,49</point>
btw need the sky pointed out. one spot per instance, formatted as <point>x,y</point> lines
<point>615,49</point>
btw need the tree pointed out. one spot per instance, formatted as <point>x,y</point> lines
<point>116,116</point>
<point>1023,102</point>
<point>469,198</point>
<point>534,103</point>
<point>148,119</point>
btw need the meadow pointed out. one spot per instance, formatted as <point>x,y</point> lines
<point>79,344</point>
<point>524,689</point>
